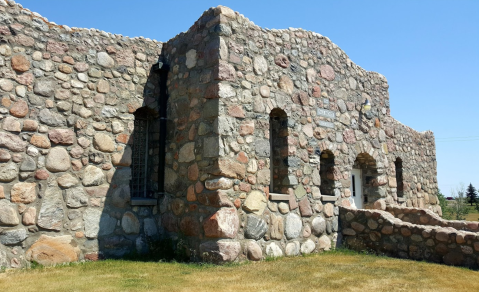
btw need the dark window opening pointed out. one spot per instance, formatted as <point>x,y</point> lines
<point>327,173</point>
<point>278,137</point>
<point>399,177</point>
<point>354,185</point>
<point>139,164</point>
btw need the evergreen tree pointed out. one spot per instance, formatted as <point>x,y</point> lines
<point>471,194</point>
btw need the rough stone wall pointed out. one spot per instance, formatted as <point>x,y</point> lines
<point>322,92</point>
<point>192,147</point>
<point>381,232</point>
<point>67,101</point>
<point>426,217</point>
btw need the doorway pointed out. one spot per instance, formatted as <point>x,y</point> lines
<point>356,188</point>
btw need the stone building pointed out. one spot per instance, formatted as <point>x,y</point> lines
<point>242,141</point>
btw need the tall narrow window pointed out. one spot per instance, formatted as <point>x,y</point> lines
<point>399,177</point>
<point>139,163</point>
<point>326,172</point>
<point>278,137</point>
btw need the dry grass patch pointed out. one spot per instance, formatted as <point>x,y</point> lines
<point>334,271</point>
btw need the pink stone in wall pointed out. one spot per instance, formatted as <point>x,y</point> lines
<point>25,78</point>
<point>225,72</point>
<point>316,91</point>
<point>19,109</point>
<point>41,174</point>
<point>220,251</point>
<point>282,61</point>
<point>4,30</point>
<point>327,72</point>
<point>305,207</point>
<point>236,111</point>
<point>56,47</point>
<point>223,223</point>
<point>20,63</point>
<point>62,136</point>
<point>246,128</point>
<point>24,40</point>
<point>349,136</point>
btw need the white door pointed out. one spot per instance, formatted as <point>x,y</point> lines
<point>356,188</point>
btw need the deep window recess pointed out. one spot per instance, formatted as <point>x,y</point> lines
<point>278,137</point>
<point>399,177</point>
<point>326,172</point>
<point>139,164</point>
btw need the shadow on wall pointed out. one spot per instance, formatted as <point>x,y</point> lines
<point>129,218</point>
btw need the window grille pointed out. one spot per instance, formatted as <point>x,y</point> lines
<point>139,165</point>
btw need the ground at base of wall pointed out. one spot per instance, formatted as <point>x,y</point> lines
<point>340,270</point>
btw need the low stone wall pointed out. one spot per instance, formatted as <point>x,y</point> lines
<point>426,217</point>
<point>381,232</point>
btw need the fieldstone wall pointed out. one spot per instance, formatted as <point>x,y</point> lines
<point>241,77</point>
<point>263,130</point>
<point>426,217</point>
<point>67,101</point>
<point>381,232</point>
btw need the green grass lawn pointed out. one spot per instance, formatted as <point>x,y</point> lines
<point>331,271</point>
<point>473,214</point>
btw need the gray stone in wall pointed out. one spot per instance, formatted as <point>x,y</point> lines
<point>3,259</point>
<point>97,224</point>
<point>335,226</point>
<point>290,180</point>
<point>51,213</point>
<point>293,226</point>
<point>273,250</point>
<point>211,147</point>
<point>210,109</point>
<point>109,112</point>
<point>76,197</point>
<point>44,87</point>
<point>130,224</point>
<point>121,196</point>
<point>308,247</point>
<point>28,164</point>
<point>318,226</point>
<point>292,161</point>
<point>329,227</point>
<point>262,147</point>
<point>121,176</point>
<point>92,176</point>
<point>149,227</point>
<point>105,60</point>
<point>50,118</point>
<point>8,213</point>
<point>255,227</point>
<point>15,236</point>
<point>292,248</point>
<point>8,172</point>
<point>225,125</point>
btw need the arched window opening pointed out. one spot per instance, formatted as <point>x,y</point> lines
<point>278,137</point>
<point>139,183</point>
<point>399,177</point>
<point>327,173</point>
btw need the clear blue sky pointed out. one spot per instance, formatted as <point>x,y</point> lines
<point>428,50</point>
